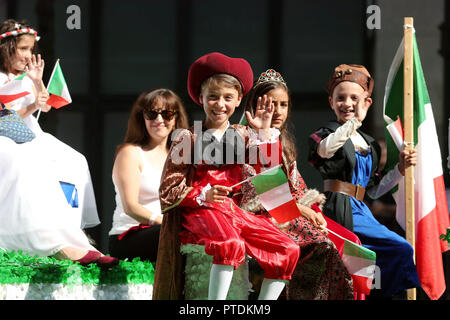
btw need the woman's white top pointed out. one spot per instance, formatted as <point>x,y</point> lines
<point>148,197</point>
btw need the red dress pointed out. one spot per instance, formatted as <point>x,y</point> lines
<point>228,232</point>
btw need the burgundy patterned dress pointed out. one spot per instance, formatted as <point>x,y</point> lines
<point>320,273</point>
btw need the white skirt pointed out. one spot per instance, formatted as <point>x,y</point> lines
<point>34,213</point>
<point>71,166</point>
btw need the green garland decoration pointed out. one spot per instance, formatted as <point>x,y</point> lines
<point>20,267</point>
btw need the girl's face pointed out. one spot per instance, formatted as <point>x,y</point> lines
<point>347,98</point>
<point>219,104</point>
<point>159,121</point>
<point>280,100</point>
<point>24,51</point>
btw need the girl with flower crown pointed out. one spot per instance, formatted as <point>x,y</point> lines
<point>70,166</point>
<point>36,217</point>
<point>320,273</point>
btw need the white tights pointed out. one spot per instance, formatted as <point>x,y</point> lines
<point>220,280</point>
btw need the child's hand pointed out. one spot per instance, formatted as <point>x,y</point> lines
<point>263,114</point>
<point>406,159</point>
<point>362,106</point>
<point>35,68</point>
<point>217,194</point>
<point>314,217</point>
<point>361,111</point>
<point>41,101</point>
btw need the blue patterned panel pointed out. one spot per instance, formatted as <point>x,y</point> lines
<point>13,127</point>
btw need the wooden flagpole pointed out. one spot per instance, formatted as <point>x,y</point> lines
<point>408,104</point>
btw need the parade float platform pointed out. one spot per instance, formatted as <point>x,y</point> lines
<point>26,277</point>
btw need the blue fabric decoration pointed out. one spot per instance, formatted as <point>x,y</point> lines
<point>13,127</point>
<point>71,193</point>
<point>394,253</point>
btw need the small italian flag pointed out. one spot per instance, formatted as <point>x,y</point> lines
<point>360,263</point>
<point>57,88</point>
<point>395,129</point>
<point>275,195</point>
<point>14,89</point>
<point>243,119</point>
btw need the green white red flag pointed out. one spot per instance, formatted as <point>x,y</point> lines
<point>431,208</point>
<point>57,88</point>
<point>360,263</point>
<point>243,119</point>
<point>14,89</point>
<point>275,195</point>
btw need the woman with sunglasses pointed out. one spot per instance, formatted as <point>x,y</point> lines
<point>136,175</point>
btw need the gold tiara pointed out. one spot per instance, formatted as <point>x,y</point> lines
<point>270,75</point>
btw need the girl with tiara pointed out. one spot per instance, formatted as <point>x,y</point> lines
<point>36,217</point>
<point>320,273</point>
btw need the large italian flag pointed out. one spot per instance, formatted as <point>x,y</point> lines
<point>431,209</point>
<point>275,195</point>
<point>57,88</point>
<point>14,89</point>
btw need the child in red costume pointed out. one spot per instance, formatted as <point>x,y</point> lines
<point>201,168</point>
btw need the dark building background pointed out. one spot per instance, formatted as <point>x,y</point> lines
<point>126,47</point>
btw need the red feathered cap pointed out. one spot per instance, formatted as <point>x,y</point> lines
<point>215,63</point>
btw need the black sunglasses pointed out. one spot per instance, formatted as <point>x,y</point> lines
<point>165,114</point>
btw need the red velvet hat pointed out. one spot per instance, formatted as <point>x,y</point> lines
<point>215,63</point>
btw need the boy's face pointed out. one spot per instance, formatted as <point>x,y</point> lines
<point>349,100</point>
<point>219,104</point>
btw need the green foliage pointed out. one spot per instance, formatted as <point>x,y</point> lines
<point>20,267</point>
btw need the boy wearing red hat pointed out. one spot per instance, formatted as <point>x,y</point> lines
<point>197,198</point>
<point>347,160</point>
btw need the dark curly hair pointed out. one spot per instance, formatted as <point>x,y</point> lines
<point>8,45</point>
